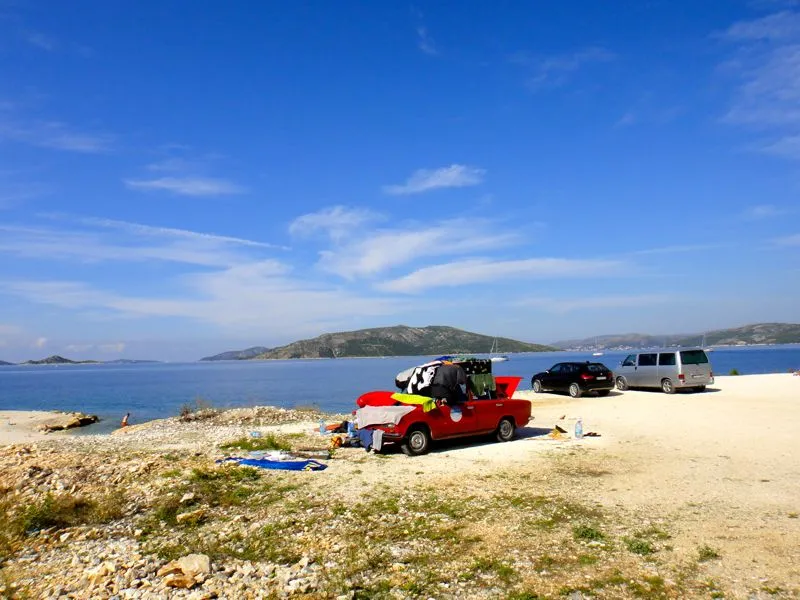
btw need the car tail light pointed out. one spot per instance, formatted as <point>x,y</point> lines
<point>681,376</point>
<point>711,374</point>
<point>586,376</point>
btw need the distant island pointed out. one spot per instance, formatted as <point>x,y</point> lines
<point>748,335</point>
<point>239,354</point>
<point>400,340</point>
<point>60,360</point>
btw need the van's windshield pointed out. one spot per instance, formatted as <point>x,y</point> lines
<point>693,357</point>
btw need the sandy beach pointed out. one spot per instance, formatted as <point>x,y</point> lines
<point>715,472</point>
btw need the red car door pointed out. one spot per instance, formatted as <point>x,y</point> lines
<point>457,419</point>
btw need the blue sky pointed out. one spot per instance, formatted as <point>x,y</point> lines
<point>182,178</point>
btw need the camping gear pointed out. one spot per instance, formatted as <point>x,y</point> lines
<point>283,465</point>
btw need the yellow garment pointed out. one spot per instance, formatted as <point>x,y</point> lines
<point>427,403</point>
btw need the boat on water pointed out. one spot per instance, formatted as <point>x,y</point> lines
<point>597,354</point>
<point>494,356</point>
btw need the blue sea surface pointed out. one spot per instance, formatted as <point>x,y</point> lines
<point>155,390</point>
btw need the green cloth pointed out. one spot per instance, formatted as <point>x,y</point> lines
<point>427,403</point>
<point>481,383</point>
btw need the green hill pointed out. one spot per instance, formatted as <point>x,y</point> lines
<point>759,333</point>
<point>238,354</point>
<point>399,340</point>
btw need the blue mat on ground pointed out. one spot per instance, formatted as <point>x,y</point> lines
<point>283,465</point>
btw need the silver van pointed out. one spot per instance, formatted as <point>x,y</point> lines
<point>670,369</point>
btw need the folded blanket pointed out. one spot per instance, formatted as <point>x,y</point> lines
<point>283,465</point>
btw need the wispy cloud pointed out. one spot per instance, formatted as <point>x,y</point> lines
<point>41,40</point>
<point>777,26</point>
<point>13,193</point>
<point>40,342</point>
<point>767,65</point>
<point>187,186</point>
<point>55,135</point>
<point>129,242</point>
<point>423,180</point>
<point>481,271</point>
<point>378,251</point>
<point>165,232</point>
<point>676,249</point>
<point>555,70</point>
<point>251,298</point>
<point>764,211</point>
<point>336,222</point>
<point>789,240</point>
<point>567,305</point>
<point>425,41</point>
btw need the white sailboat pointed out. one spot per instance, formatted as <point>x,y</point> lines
<point>597,349</point>
<point>494,351</point>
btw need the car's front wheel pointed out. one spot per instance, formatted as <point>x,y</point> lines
<point>537,386</point>
<point>622,384</point>
<point>505,430</point>
<point>417,442</point>
<point>575,390</point>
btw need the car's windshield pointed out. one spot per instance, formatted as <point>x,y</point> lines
<point>693,357</point>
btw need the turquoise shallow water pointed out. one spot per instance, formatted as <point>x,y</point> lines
<point>157,390</point>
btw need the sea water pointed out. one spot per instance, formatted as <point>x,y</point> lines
<point>155,390</point>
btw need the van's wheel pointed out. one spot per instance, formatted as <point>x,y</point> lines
<point>537,386</point>
<point>505,430</point>
<point>417,442</point>
<point>667,387</point>
<point>622,384</point>
<point>575,390</point>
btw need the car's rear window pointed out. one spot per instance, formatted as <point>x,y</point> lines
<point>596,368</point>
<point>693,357</point>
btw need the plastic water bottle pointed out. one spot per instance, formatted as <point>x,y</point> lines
<point>579,428</point>
<point>322,429</point>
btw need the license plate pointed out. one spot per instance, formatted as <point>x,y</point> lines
<point>601,379</point>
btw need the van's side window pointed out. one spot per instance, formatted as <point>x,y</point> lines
<point>666,359</point>
<point>630,361</point>
<point>647,360</point>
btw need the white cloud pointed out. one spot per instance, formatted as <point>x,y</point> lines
<point>8,329</point>
<point>767,64</point>
<point>387,248</point>
<point>251,298</point>
<point>169,232</point>
<point>567,305</point>
<point>764,211</point>
<point>674,249</point>
<point>40,40</point>
<point>777,26</point>
<point>338,222</point>
<point>128,242</point>
<point>555,70</point>
<point>425,41</point>
<point>115,348</point>
<point>187,186</point>
<point>40,342</point>
<point>480,271</point>
<point>423,180</point>
<point>55,135</point>
<point>790,240</point>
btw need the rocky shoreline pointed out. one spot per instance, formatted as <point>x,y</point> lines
<point>149,511</point>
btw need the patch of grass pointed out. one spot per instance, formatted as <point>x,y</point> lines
<point>706,552</point>
<point>585,532</point>
<point>524,596</point>
<point>793,515</point>
<point>640,546</point>
<point>491,566</point>
<point>65,510</point>
<point>268,442</point>
<point>652,532</point>
<point>587,559</point>
<point>201,409</point>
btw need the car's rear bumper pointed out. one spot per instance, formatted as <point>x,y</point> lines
<point>592,386</point>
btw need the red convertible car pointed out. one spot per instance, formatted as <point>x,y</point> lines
<point>447,398</point>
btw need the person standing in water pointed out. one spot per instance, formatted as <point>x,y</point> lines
<point>125,420</point>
